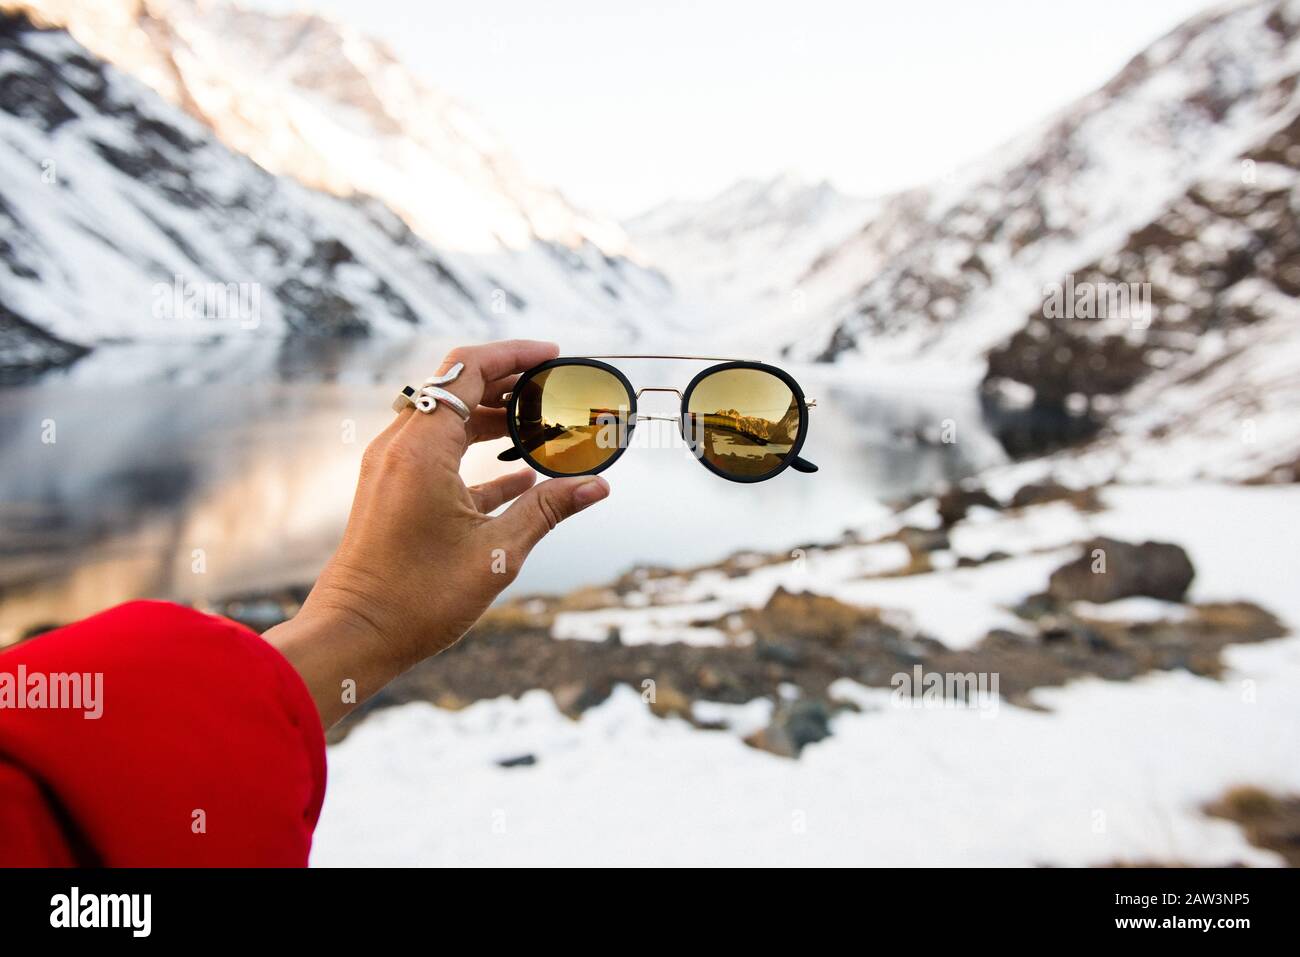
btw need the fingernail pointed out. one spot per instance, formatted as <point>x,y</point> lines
<point>590,492</point>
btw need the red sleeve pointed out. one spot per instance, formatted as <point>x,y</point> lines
<point>30,833</point>
<point>208,750</point>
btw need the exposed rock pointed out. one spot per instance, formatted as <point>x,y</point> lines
<point>1044,426</point>
<point>450,701</point>
<point>1073,631</point>
<point>494,660</point>
<point>809,616</point>
<point>955,503</point>
<point>967,561</point>
<point>1068,648</point>
<point>1270,821</point>
<point>575,697</point>
<point>808,641</point>
<point>1285,473</point>
<point>588,599</point>
<point>25,349</point>
<point>504,656</point>
<point>1040,493</point>
<point>1213,258</point>
<point>778,653</point>
<point>1111,569</point>
<point>520,761</point>
<point>1057,361</point>
<point>923,540</point>
<point>794,726</point>
<point>668,702</point>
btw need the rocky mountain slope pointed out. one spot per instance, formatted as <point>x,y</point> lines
<point>1171,191</point>
<point>1215,363</point>
<point>313,99</point>
<point>122,215</point>
<point>952,270</point>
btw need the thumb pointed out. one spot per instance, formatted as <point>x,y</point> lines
<point>544,506</point>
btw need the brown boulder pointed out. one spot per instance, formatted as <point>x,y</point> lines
<point>795,725</point>
<point>808,615</point>
<point>955,503</point>
<point>1040,493</point>
<point>1110,569</point>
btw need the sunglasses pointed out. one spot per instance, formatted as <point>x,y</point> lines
<point>744,421</point>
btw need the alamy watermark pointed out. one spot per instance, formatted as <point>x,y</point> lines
<point>919,689</point>
<point>229,301</point>
<point>1129,301</point>
<point>614,429</point>
<point>23,690</point>
<point>133,912</point>
<point>696,433</point>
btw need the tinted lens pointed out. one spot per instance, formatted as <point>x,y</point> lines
<point>572,419</point>
<point>743,422</point>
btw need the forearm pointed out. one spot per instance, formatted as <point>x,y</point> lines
<point>342,658</point>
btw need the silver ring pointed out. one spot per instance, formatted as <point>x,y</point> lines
<point>430,394</point>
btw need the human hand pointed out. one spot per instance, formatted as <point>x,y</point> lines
<point>421,559</point>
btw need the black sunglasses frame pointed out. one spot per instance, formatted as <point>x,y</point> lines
<point>791,459</point>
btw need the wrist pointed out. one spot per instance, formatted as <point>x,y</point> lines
<point>342,655</point>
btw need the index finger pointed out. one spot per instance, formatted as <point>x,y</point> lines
<point>495,360</point>
<point>483,364</point>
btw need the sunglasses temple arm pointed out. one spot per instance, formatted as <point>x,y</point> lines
<point>511,454</point>
<point>802,465</point>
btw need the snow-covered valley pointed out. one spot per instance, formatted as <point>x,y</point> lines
<point>1092,773</point>
<point>638,701</point>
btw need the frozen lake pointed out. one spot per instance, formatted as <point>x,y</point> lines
<point>190,472</point>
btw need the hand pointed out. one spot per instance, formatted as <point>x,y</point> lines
<point>421,559</point>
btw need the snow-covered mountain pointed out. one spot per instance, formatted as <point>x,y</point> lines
<point>1208,384</point>
<point>951,270</point>
<point>1178,176</point>
<point>467,242</point>
<point>123,218</point>
<point>751,242</point>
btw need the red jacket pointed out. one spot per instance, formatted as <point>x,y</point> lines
<point>208,752</point>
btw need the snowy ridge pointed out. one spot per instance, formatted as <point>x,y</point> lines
<point>953,269</point>
<point>111,194</point>
<point>1209,387</point>
<point>752,241</point>
<point>310,98</point>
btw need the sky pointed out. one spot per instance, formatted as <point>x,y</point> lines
<point>624,105</point>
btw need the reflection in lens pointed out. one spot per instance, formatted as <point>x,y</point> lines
<point>572,419</point>
<point>744,422</point>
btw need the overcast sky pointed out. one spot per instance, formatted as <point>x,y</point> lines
<point>626,104</point>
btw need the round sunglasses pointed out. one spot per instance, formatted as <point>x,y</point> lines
<point>744,421</point>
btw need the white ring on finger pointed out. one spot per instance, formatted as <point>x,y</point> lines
<point>431,393</point>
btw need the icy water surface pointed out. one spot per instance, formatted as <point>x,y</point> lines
<point>196,471</point>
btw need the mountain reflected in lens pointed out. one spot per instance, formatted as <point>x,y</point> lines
<point>744,422</point>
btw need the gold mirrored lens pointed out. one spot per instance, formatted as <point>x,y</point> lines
<point>744,422</point>
<point>572,419</point>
